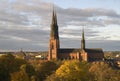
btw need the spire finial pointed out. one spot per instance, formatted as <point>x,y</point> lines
<point>83,33</point>
<point>53,7</point>
<point>83,40</point>
<point>53,16</point>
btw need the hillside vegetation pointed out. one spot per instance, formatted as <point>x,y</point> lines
<point>14,69</point>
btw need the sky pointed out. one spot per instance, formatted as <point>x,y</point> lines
<point>26,24</point>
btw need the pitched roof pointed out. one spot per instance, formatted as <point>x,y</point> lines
<point>94,50</point>
<point>74,50</point>
<point>68,50</point>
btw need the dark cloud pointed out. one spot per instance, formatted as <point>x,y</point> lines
<point>106,45</point>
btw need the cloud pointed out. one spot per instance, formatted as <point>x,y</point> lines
<point>111,21</point>
<point>42,11</point>
<point>26,23</point>
<point>92,17</point>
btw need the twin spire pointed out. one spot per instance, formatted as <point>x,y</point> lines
<point>54,30</point>
<point>54,26</point>
<point>54,18</point>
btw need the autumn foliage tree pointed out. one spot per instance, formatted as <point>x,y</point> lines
<point>103,72</point>
<point>8,65</point>
<point>25,73</point>
<point>14,69</point>
<point>72,70</point>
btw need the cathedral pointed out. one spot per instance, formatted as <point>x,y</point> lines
<point>82,53</point>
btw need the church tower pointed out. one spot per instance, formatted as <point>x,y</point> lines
<point>83,40</point>
<point>54,38</point>
<point>84,54</point>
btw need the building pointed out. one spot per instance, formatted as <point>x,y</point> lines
<point>83,53</point>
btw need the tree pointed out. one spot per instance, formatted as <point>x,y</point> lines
<point>26,73</point>
<point>4,74</point>
<point>28,69</point>
<point>45,69</point>
<point>103,72</point>
<point>73,70</point>
<point>54,77</point>
<point>19,76</point>
<point>10,63</point>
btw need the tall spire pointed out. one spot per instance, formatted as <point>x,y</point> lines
<point>53,17</point>
<point>83,40</point>
<point>54,26</point>
<point>54,38</point>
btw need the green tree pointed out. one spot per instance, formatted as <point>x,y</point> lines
<point>4,74</point>
<point>10,63</point>
<point>28,69</point>
<point>45,69</point>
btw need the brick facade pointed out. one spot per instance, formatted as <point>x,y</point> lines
<point>83,54</point>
